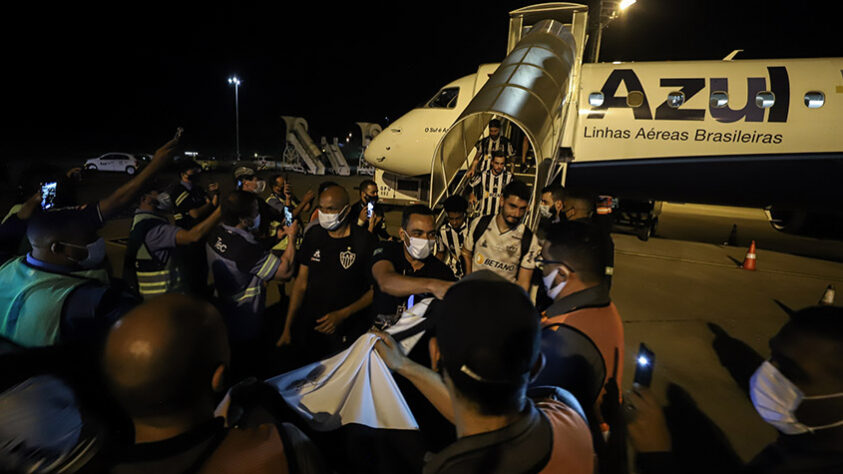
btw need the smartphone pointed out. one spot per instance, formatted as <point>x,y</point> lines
<point>48,194</point>
<point>644,363</point>
<point>288,216</point>
<point>369,209</point>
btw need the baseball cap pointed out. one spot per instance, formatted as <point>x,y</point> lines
<point>487,330</point>
<point>243,171</point>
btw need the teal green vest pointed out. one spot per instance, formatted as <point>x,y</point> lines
<point>142,270</point>
<point>31,301</point>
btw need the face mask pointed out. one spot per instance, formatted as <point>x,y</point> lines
<point>553,291</point>
<point>372,199</point>
<point>776,399</point>
<point>544,210</point>
<point>96,254</point>
<point>420,249</point>
<point>331,221</point>
<point>163,202</point>
<point>260,186</point>
<point>255,224</point>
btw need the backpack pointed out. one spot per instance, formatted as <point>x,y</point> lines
<point>483,224</point>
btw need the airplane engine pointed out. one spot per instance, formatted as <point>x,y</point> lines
<point>809,224</point>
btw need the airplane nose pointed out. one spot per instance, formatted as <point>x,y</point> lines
<point>375,153</point>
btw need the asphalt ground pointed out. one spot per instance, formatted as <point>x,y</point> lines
<point>681,292</point>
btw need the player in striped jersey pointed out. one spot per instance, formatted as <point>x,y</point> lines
<point>451,236</point>
<point>488,186</point>
<point>487,146</point>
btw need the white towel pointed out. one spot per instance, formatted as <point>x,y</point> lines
<point>354,386</point>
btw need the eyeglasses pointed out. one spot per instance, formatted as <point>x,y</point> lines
<point>541,262</point>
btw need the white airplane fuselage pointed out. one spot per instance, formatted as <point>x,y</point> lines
<point>741,116</point>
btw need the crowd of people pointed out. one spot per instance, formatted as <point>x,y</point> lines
<point>521,362</point>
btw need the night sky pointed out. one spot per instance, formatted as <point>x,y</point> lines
<point>86,80</point>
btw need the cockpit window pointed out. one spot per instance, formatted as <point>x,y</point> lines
<point>444,99</point>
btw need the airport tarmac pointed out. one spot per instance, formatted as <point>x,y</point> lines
<point>667,291</point>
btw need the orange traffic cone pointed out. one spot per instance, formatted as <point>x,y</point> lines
<point>749,260</point>
<point>828,297</point>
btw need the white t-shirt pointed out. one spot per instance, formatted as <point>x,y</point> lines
<point>500,251</point>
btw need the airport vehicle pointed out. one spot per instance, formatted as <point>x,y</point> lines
<point>207,163</point>
<point>123,162</point>
<point>752,133</point>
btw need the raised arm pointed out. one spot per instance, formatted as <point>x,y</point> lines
<point>285,269</point>
<point>304,205</point>
<point>200,230</point>
<point>124,194</point>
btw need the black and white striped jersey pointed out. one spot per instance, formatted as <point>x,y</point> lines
<point>450,241</point>
<point>486,146</point>
<point>488,188</point>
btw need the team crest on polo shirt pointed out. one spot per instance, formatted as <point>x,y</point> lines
<point>347,258</point>
<point>510,250</point>
<point>317,256</point>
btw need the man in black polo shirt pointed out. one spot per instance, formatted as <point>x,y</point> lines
<point>191,205</point>
<point>408,269</point>
<point>333,287</point>
<point>374,220</point>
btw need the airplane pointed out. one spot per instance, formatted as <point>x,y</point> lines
<point>748,133</point>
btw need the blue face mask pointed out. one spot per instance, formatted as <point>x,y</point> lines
<point>256,224</point>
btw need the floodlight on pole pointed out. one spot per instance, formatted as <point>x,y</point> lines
<point>235,81</point>
<point>601,13</point>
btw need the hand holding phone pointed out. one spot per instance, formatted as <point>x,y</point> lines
<point>48,194</point>
<point>179,133</point>
<point>644,363</point>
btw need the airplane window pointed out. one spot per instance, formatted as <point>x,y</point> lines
<point>814,100</point>
<point>595,99</point>
<point>675,99</point>
<point>635,99</point>
<point>765,100</point>
<point>718,99</point>
<point>444,99</point>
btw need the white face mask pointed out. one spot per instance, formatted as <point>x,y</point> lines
<point>96,254</point>
<point>553,291</point>
<point>420,249</point>
<point>331,221</point>
<point>544,210</point>
<point>776,399</point>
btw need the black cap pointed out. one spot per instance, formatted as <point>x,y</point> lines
<point>487,330</point>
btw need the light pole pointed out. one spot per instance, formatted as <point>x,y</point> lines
<point>236,82</point>
<point>601,13</point>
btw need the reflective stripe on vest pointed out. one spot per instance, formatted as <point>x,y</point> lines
<point>247,294</point>
<point>156,282</point>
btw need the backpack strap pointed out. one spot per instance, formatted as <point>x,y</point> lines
<point>482,225</point>
<point>526,240</point>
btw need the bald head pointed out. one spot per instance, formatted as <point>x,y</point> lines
<point>45,228</point>
<point>160,359</point>
<point>578,206</point>
<point>333,199</point>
